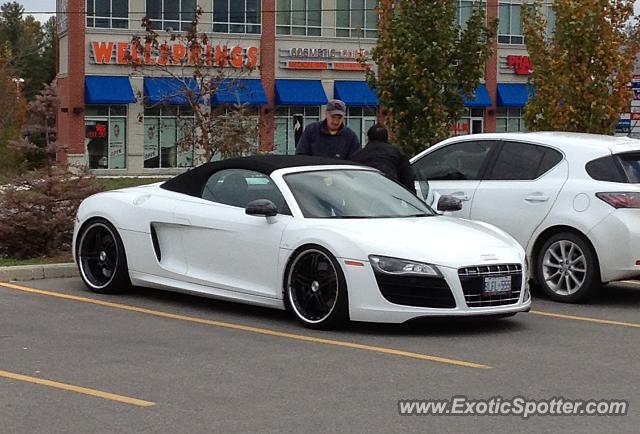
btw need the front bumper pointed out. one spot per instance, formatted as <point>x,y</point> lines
<point>366,302</point>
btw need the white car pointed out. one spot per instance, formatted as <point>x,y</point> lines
<point>329,242</point>
<point>570,199</point>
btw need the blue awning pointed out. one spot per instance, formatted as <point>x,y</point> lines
<point>513,94</point>
<point>480,99</point>
<point>355,93</point>
<point>240,92</point>
<point>171,90</point>
<point>300,92</point>
<point>99,89</point>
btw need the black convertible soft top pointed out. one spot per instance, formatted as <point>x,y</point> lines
<point>193,181</point>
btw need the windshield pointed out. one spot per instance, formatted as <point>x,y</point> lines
<point>353,194</point>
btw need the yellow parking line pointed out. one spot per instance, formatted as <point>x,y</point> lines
<point>586,319</point>
<point>76,389</point>
<point>251,329</point>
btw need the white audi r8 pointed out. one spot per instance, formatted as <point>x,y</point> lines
<point>328,240</point>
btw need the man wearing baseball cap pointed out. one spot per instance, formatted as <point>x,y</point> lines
<point>330,137</point>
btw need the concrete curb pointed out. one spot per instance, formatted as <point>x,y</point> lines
<point>35,272</point>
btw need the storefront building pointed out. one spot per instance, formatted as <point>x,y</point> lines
<point>120,120</point>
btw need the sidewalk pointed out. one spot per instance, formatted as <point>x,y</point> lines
<point>34,272</point>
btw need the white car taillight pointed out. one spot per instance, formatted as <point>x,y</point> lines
<point>621,199</point>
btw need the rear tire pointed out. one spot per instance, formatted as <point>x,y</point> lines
<point>567,269</point>
<point>316,290</point>
<point>101,258</point>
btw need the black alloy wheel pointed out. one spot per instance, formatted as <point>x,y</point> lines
<point>101,258</point>
<point>316,289</point>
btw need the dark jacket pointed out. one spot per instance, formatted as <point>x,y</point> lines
<point>316,140</point>
<point>388,159</point>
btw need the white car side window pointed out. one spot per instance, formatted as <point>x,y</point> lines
<point>459,161</point>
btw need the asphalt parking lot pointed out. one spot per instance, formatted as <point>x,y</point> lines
<point>150,361</point>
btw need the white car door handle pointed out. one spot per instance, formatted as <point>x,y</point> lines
<point>536,198</point>
<point>460,195</point>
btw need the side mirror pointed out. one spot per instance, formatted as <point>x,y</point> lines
<point>261,207</point>
<point>449,203</point>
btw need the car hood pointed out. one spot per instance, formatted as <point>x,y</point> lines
<point>440,240</point>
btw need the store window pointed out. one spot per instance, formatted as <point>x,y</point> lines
<point>171,15</point>
<point>357,18</point>
<point>168,137</point>
<point>299,17</point>
<point>471,122</point>
<point>106,136</point>
<point>286,126</point>
<point>510,23</point>
<point>509,120</point>
<point>236,16</point>
<point>360,119</point>
<point>108,13</point>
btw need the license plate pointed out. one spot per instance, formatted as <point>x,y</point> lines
<point>496,285</point>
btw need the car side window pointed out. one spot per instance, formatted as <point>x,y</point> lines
<point>523,161</point>
<point>459,161</point>
<point>550,159</point>
<point>605,169</point>
<point>238,187</point>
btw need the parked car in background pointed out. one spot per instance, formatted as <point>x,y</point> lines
<point>327,240</point>
<point>572,200</point>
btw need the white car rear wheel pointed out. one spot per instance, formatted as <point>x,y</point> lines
<point>567,268</point>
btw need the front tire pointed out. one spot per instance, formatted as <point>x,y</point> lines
<point>101,258</point>
<point>316,290</point>
<point>567,268</point>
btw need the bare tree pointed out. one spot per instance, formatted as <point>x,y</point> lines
<point>199,71</point>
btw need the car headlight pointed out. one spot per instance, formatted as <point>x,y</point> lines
<point>387,265</point>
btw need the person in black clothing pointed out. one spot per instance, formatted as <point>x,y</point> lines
<point>385,157</point>
<point>330,137</point>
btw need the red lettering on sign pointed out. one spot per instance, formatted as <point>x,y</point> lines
<point>102,52</point>
<point>179,53</point>
<point>236,57</point>
<point>252,57</point>
<point>520,64</point>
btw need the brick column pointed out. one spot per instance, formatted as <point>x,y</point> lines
<point>491,72</point>
<point>70,119</point>
<point>268,73</point>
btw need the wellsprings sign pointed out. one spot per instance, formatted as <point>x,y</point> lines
<point>167,54</point>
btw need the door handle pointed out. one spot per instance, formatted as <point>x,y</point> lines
<point>461,195</point>
<point>536,198</point>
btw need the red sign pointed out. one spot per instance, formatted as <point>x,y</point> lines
<point>351,67</point>
<point>296,64</point>
<point>520,64</point>
<point>460,128</point>
<point>98,131</point>
<point>125,53</point>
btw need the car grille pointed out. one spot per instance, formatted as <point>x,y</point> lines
<point>472,280</point>
<point>419,291</point>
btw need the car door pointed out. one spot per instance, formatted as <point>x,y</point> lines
<point>456,170</point>
<point>520,188</point>
<point>225,247</point>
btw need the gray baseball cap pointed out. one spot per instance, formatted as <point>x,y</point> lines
<point>336,107</point>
